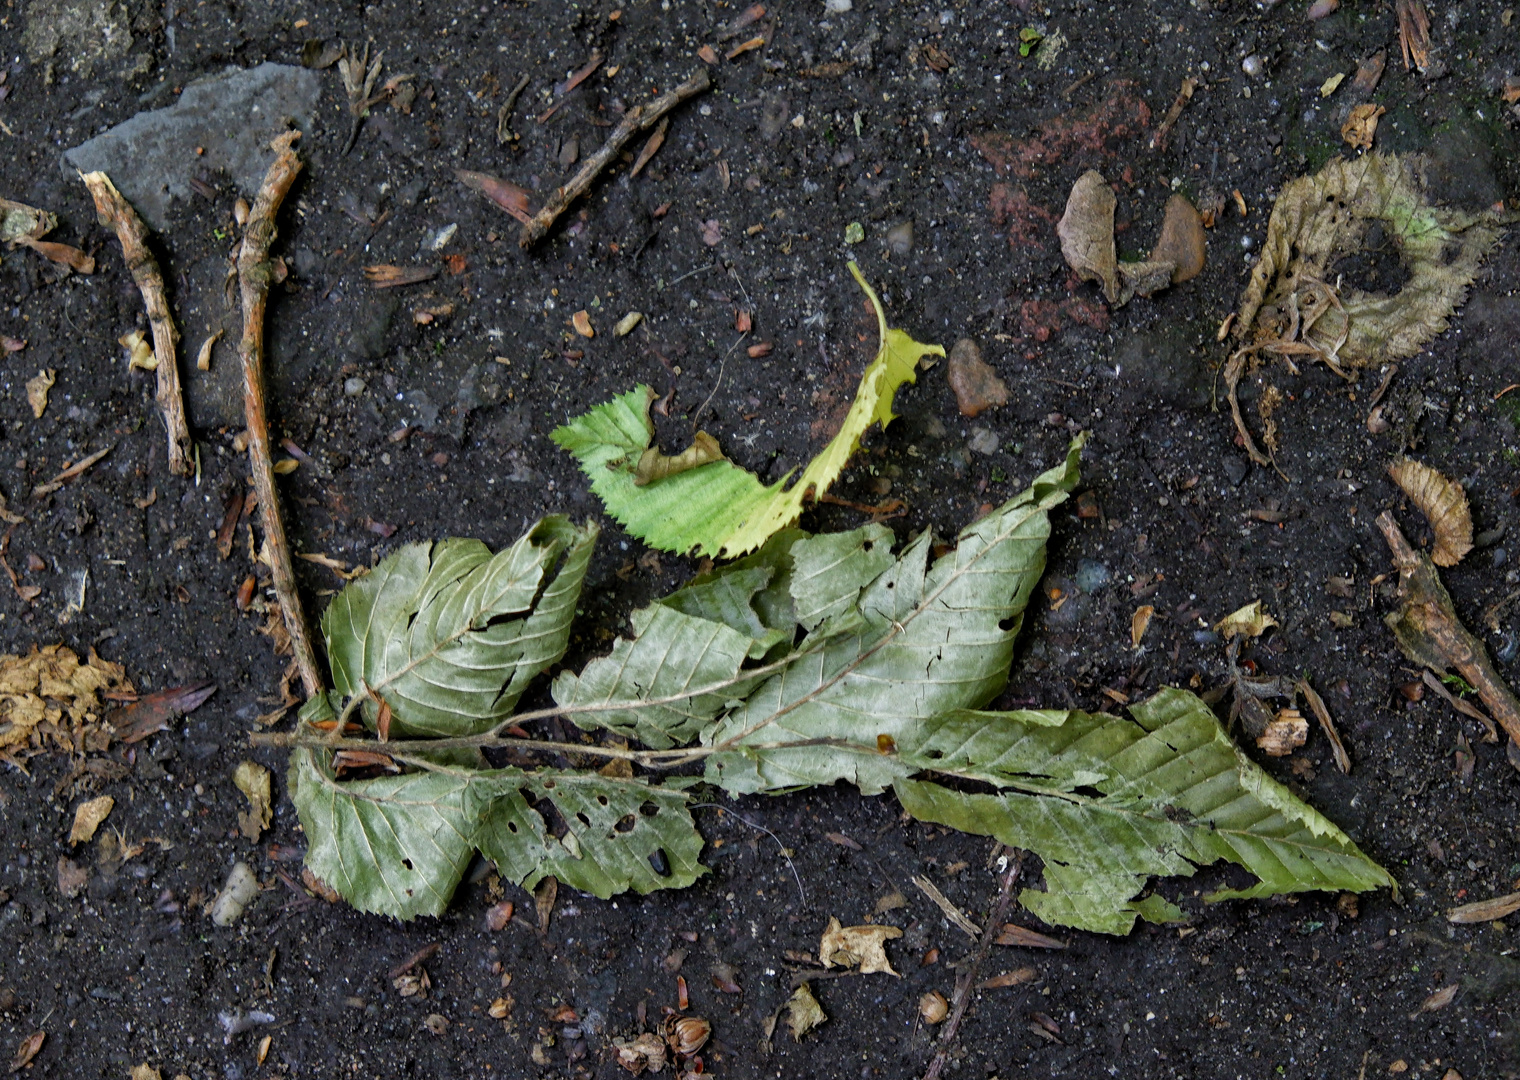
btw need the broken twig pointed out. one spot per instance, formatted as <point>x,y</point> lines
<point>966,979</point>
<point>254,275</point>
<point>638,118</point>
<point>114,210</point>
<point>1429,632</point>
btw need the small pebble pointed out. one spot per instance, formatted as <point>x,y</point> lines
<point>900,238</point>
<point>983,442</point>
<point>1253,66</point>
<point>354,386</point>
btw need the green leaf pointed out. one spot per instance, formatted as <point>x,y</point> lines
<point>613,829</point>
<point>919,640</point>
<point>719,508</point>
<point>450,635</point>
<point>397,845</point>
<point>1108,802</point>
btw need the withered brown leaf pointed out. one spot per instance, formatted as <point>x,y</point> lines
<point>1444,504</point>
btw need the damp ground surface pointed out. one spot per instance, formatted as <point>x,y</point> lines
<point>425,412</point>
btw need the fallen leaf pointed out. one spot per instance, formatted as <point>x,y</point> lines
<point>1013,934</point>
<point>1250,622</point>
<point>507,195</point>
<point>37,388</point>
<point>890,902</point>
<point>252,780</point>
<point>10,344</point>
<point>1485,910</point>
<point>977,387</point>
<point>655,141</point>
<point>646,1052</point>
<point>1361,125</point>
<point>318,886</point>
<point>933,1007</point>
<point>857,946</point>
<point>1139,622</point>
<point>151,713</point>
<point>1086,230</point>
<point>51,687</point>
<point>1368,73</point>
<point>1327,725</point>
<point>653,465</point>
<point>1182,240</point>
<point>63,254</point>
<point>72,878</point>
<point>87,818</point>
<point>842,840</point>
<point>1444,504</point>
<point>803,1013</point>
<point>385,276</point>
<point>499,915</point>
<point>1285,733</point>
<point>27,1049</point>
<point>1319,220</point>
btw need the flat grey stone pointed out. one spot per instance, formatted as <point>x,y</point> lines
<point>233,117</point>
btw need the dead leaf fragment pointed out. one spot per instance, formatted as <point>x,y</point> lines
<point>504,193</point>
<point>1182,240</point>
<point>653,465</point>
<point>139,351</point>
<point>37,388</point>
<point>252,779</point>
<point>1485,910</point>
<point>544,895</point>
<point>933,1007</point>
<point>581,320</point>
<point>1016,977</point>
<point>203,355</point>
<point>63,254</point>
<point>1023,937</point>
<point>87,818</point>
<point>19,221</point>
<point>977,386</point>
<point>857,946</point>
<point>1440,999</point>
<point>647,1052</point>
<point>803,1013</point>
<point>386,276</point>
<point>27,1050</point>
<point>1086,230</point>
<point>1361,125</point>
<point>1285,733</point>
<point>1139,622</point>
<point>50,693</point>
<point>1250,622</point>
<point>1444,504</point>
<point>151,713</point>
<point>146,1072</point>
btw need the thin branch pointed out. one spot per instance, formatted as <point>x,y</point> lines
<point>966,978</point>
<point>254,276</point>
<point>113,209</point>
<point>637,119</point>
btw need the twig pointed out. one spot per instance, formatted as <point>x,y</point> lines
<point>1163,129</point>
<point>1429,632</point>
<point>945,904</point>
<point>504,133</point>
<point>114,210</point>
<point>637,119</point>
<point>254,276</point>
<point>965,979</point>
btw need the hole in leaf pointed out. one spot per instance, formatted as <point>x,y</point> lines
<point>649,809</point>
<point>659,863</point>
<point>407,863</point>
<point>584,820</point>
<point>602,799</point>
<point>1009,624</point>
<point>548,785</point>
<point>626,823</point>
<point>512,827</point>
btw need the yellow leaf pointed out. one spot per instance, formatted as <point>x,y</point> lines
<point>857,946</point>
<point>1250,621</point>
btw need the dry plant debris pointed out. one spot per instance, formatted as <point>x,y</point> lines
<point>860,947</point>
<point>1430,634</point>
<point>803,1013</point>
<point>88,817</point>
<point>1285,733</point>
<point>1293,311</point>
<point>1485,910</point>
<point>977,386</point>
<point>27,1049</point>
<point>1086,230</point>
<point>37,388</point>
<point>48,697</point>
<point>22,225</point>
<point>1250,621</point>
<point>113,211</point>
<point>1444,504</point>
<point>252,780</point>
<point>1361,125</point>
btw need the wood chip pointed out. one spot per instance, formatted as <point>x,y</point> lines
<point>1327,725</point>
<point>1485,910</point>
<point>70,473</point>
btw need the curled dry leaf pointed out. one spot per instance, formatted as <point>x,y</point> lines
<point>864,947</point>
<point>88,816</point>
<point>139,350</point>
<point>1441,998</point>
<point>933,1007</point>
<point>647,1052</point>
<point>1485,910</point>
<point>1086,230</point>
<point>1182,240</point>
<point>1361,125</point>
<point>63,254</point>
<point>1285,733</point>
<point>252,779</point>
<point>803,1013</point>
<point>1014,934</point>
<point>1250,622</point>
<point>385,276</point>
<point>52,688</point>
<point>1139,622</point>
<point>27,1049</point>
<point>1444,504</point>
<point>37,388</point>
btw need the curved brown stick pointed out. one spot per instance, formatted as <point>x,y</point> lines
<point>635,120</point>
<point>254,275</point>
<point>113,209</point>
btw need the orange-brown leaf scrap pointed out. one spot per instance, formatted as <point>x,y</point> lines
<point>27,1050</point>
<point>505,194</point>
<point>1361,125</point>
<point>1444,504</point>
<point>385,276</point>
